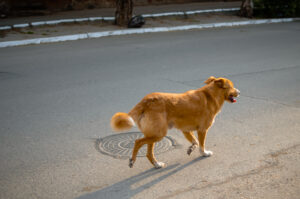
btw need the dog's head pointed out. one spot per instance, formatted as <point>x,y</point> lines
<point>226,86</point>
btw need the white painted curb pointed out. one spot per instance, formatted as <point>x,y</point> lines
<point>140,31</point>
<point>190,12</point>
<point>5,27</point>
<point>91,19</point>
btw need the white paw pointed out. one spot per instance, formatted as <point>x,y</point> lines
<point>159,165</point>
<point>206,153</point>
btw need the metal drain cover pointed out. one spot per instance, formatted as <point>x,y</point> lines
<point>121,145</point>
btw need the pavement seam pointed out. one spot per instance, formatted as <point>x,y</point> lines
<point>141,31</point>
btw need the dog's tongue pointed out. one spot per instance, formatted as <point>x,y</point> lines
<point>232,99</point>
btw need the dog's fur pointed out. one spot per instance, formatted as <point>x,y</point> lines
<point>193,110</point>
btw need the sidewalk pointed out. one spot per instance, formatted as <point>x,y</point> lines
<point>91,24</point>
<point>110,12</point>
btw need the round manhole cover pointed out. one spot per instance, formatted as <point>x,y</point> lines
<point>121,145</point>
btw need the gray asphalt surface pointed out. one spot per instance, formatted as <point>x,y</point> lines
<point>57,99</point>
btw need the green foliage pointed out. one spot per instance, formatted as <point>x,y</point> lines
<point>276,8</point>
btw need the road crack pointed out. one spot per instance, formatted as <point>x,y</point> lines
<point>191,83</point>
<point>269,101</point>
<point>271,162</point>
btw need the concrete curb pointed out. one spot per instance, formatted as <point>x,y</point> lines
<point>91,19</point>
<point>141,31</point>
<point>190,12</point>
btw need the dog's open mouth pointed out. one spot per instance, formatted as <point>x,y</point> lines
<point>232,99</point>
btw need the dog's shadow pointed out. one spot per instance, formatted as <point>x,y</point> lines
<point>124,190</point>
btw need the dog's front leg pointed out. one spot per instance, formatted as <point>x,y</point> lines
<point>191,138</point>
<point>201,137</point>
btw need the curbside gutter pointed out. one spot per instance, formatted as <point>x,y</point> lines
<point>141,31</point>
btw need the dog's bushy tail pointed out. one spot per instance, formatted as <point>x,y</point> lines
<point>121,122</point>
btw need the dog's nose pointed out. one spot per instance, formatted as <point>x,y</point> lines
<point>238,92</point>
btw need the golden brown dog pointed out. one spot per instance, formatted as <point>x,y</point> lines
<point>193,110</point>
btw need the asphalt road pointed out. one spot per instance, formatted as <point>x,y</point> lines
<point>57,99</point>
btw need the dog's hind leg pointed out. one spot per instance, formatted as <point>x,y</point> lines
<point>154,127</point>
<point>138,144</point>
<point>151,157</point>
<point>150,154</point>
<point>190,137</point>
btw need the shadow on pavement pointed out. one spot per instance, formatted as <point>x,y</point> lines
<point>123,188</point>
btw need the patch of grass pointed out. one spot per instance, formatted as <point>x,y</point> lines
<point>25,32</point>
<point>276,8</point>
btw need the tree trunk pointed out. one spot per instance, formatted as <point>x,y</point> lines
<point>247,8</point>
<point>124,12</point>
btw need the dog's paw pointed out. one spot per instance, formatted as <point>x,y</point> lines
<point>206,153</point>
<point>191,149</point>
<point>131,163</point>
<point>159,165</point>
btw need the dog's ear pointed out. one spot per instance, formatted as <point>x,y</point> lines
<point>210,79</point>
<point>220,82</point>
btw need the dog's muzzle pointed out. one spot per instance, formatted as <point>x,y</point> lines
<point>232,97</point>
<point>238,92</point>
